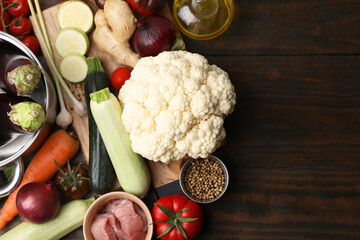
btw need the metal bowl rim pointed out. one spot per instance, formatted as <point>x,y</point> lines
<point>211,157</point>
<point>18,44</point>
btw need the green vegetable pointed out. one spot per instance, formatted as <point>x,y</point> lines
<point>69,217</point>
<point>130,168</point>
<point>74,68</point>
<point>30,116</point>
<point>101,170</point>
<point>178,44</point>
<point>75,14</point>
<point>70,41</point>
<point>26,78</point>
<point>6,175</point>
<point>3,179</point>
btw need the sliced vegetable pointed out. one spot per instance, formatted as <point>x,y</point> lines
<point>75,14</point>
<point>79,107</point>
<point>119,76</point>
<point>146,7</point>
<point>153,35</point>
<point>73,68</point>
<point>70,41</point>
<point>101,170</point>
<point>130,168</point>
<point>38,202</point>
<point>60,146</point>
<point>69,218</point>
<point>177,218</point>
<point>73,181</point>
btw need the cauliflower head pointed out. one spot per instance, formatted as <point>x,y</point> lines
<point>174,106</point>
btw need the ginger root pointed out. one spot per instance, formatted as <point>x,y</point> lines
<point>114,27</point>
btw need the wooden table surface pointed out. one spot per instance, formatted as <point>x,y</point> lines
<point>293,141</point>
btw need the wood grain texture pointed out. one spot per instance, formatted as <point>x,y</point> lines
<point>287,27</point>
<point>293,111</point>
<point>291,204</point>
<point>293,141</point>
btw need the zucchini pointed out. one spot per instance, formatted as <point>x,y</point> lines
<point>74,68</point>
<point>70,41</point>
<point>75,14</point>
<point>101,170</point>
<point>69,217</point>
<point>130,168</point>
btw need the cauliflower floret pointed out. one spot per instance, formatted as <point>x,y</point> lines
<point>174,106</point>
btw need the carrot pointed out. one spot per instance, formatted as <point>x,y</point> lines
<point>61,147</point>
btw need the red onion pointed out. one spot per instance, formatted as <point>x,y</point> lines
<point>38,202</point>
<point>153,35</point>
<point>146,7</point>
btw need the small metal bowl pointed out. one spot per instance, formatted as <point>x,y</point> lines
<point>182,177</point>
<point>45,94</point>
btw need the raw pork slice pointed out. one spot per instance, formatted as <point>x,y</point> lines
<point>115,224</point>
<point>101,229</point>
<point>141,213</point>
<point>124,210</point>
<point>137,236</point>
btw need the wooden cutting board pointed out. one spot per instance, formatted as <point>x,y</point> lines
<point>161,173</point>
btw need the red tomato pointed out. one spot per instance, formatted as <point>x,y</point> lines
<point>119,76</point>
<point>173,204</point>
<point>5,3</point>
<point>20,26</point>
<point>6,20</point>
<point>19,7</point>
<point>32,43</point>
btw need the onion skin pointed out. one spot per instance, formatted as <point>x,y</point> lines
<point>38,202</point>
<point>153,35</point>
<point>146,7</point>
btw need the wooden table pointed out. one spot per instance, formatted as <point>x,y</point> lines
<point>293,141</point>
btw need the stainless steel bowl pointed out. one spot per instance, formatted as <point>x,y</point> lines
<point>45,95</point>
<point>182,176</point>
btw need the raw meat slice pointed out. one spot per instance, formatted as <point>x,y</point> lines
<point>115,224</point>
<point>137,236</point>
<point>141,213</point>
<point>101,229</point>
<point>124,210</point>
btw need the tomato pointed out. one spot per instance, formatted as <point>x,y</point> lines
<point>20,26</point>
<point>6,20</point>
<point>32,43</point>
<point>5,3</point>
<point>19,7</point>
<point>73,181</point>
<point>186,214</point>
<point>146,7</point>
<point>119,76</point>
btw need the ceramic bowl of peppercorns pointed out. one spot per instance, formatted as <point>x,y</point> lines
<point>204,180</point>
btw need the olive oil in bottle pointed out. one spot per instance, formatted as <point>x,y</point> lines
<point>203,19</point>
